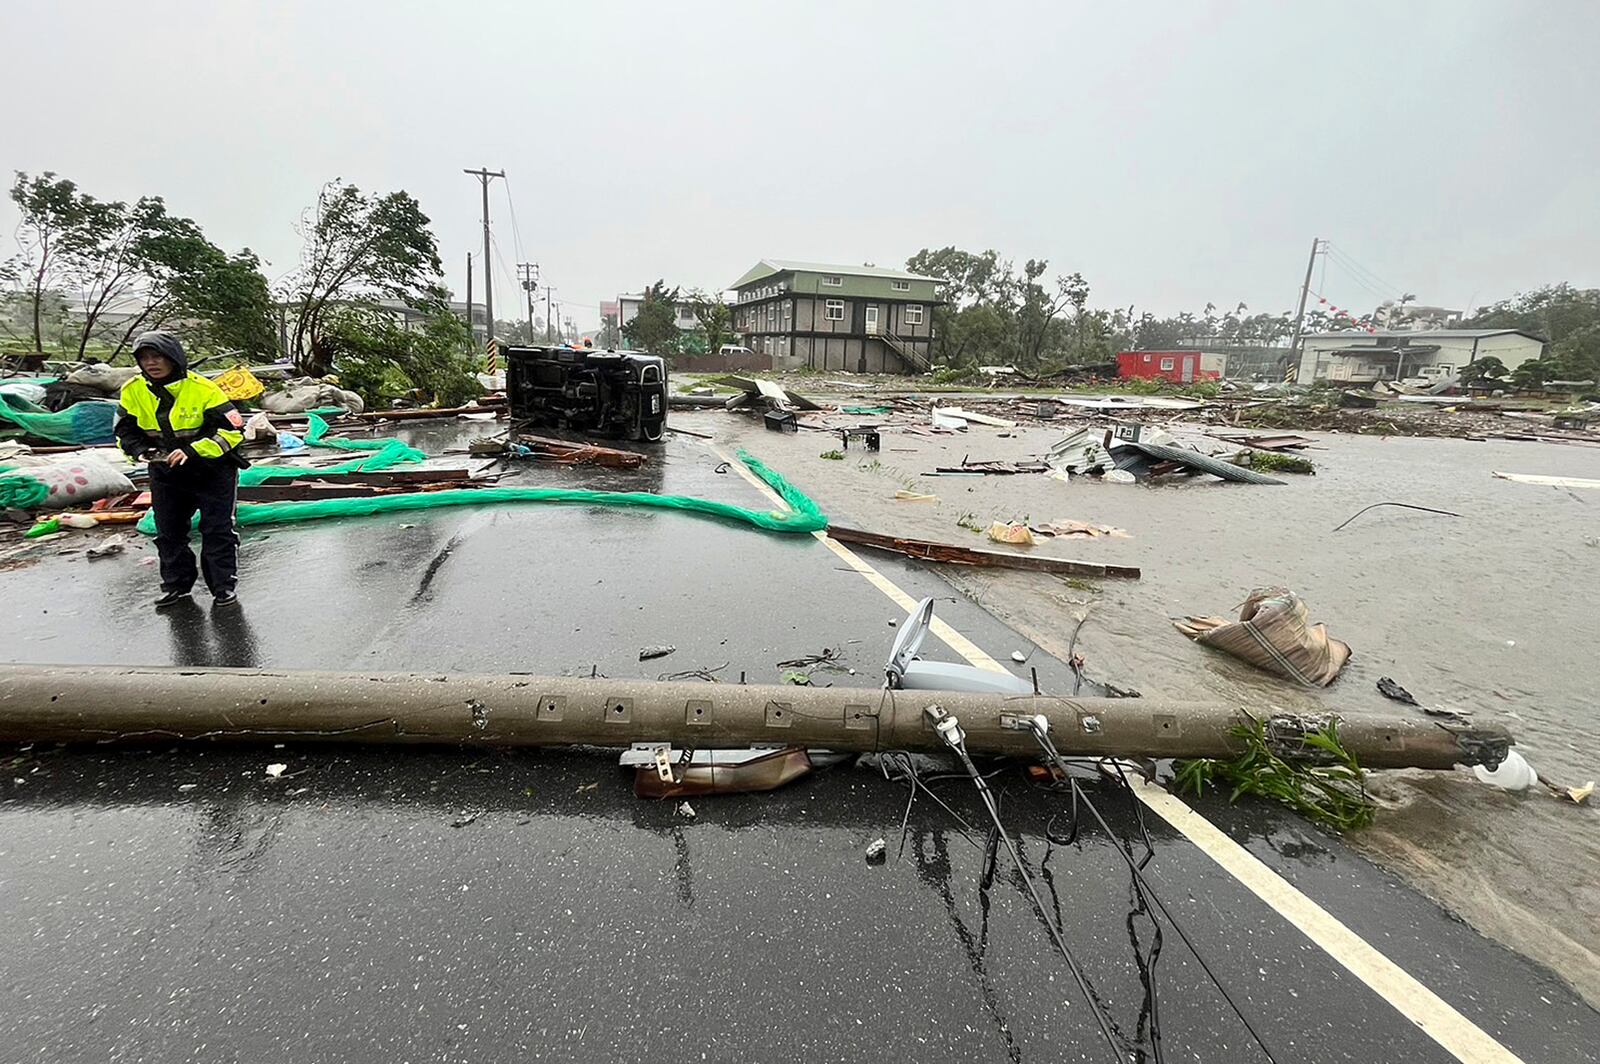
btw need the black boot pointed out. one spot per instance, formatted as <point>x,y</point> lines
<point>171,598</point>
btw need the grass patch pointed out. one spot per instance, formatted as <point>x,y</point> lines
<point>832,456</point>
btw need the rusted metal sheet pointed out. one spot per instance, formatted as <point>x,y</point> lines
<point>949,553</point>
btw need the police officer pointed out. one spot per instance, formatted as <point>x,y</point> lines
<point>188,431</point>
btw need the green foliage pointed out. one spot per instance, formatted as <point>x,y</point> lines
<point>1274,462</point>
<point>129,268</point>
<point>655,327</point>
<point>832,456</point>
<point>1483,369</point>
<point>1332,793</point>
<point>358,247</point>
<point>1568,316</point>
<point>715,319</point>
<point>381,361</point>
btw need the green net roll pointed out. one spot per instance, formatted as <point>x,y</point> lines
<point>804,517</point>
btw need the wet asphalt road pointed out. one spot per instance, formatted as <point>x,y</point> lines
<point>163,904</point>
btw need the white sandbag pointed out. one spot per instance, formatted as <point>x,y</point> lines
<point>107,380</point>
<point>78,481</point>
<point>26,391</point>
<point>307,393</point>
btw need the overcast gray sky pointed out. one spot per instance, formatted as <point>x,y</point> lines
<point>1174,153</point>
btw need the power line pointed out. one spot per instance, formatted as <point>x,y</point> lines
<point>1368,279</point>
<point>516,231</point>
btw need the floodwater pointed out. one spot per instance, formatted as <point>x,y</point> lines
<point>1492,614</point>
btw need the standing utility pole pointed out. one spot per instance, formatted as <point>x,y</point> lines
<point>530,284</point>
<point>549,322</point>
<point>472,335</point>
<point>1300,311</point>
<point>484,177</point>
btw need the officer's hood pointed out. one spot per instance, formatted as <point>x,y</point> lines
<point>164,343</point>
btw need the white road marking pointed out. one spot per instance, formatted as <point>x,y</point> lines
<point>1434,1016</point>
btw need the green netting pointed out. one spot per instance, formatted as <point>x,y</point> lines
<point>317,432</point>
<point>393,453</point>
<point>804,517</point>
<point>89,422</point>
<point>18,491</point>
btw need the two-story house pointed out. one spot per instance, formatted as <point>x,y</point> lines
<point>857,318</point>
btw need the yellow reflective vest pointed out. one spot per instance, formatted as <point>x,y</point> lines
<point>191,415</point>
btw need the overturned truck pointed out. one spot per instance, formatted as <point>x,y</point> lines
<point>614,394</point>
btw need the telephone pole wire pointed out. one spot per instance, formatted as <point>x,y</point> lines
<point>484,176</point>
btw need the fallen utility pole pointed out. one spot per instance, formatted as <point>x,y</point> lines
<point>929,551</point>
<point>104,703</point>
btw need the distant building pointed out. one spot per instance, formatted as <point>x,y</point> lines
<point>857,318</point>
<point>1181,367</point>
<point>628,309</point>
<point>1387,355</point>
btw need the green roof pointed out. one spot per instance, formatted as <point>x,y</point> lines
<point>768,267</point>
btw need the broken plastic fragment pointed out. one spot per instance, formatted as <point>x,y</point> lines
<point>686,810</point>
<point>877,851</point>
<point>277,769</point>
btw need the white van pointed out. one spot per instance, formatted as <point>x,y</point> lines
<point>734,349</point>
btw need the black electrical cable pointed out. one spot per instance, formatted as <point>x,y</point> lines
<point>1136,869</point>
<point>952,739</point>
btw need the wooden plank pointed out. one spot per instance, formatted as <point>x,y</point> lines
<point>927,550</point>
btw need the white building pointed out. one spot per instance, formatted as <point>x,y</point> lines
<point>628,309</point>
<point>1387,355</point>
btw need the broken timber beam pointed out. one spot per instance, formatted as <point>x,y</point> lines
<point>570,453</point>
<point>929,551</point>
<point>108,703</point>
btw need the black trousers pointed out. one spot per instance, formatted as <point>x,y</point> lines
<point>210,487</point>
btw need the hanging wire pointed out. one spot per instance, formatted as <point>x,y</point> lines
<point>516,230</point>
<point>950,731</point>
<point>1136,870</point>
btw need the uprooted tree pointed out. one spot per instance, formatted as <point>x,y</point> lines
<point>102,271</point>
<point>359,248</point>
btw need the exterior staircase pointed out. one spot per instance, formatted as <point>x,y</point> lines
<point>908,354</point>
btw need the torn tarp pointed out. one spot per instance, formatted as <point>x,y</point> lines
<point>1273,633</point>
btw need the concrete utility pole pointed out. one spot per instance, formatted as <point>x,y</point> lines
<point>109,702</point>
<point>484,177</point>
<point>470,333</point>
<point>549,322</point>
<point>1300,311</point>
<point>530,284</point>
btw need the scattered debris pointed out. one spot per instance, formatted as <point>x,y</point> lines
<point>1389,689</point>
<point>1554,482</point>
<point>1019,657</point>
<point>829,658</point>
<point>586,787</point>
<point>276,770</point>
<point>797,678</point>
<point>185,788</point>
<point>1273,633</point>
<point>781,421</point>
<point>649,653</point>
<point>913,496</point>
<point>686,810</point>
<point>877,852</point>
<point>1512,774</point>
<point>940,420</point>
<point>976,419</point>
<point>927,550</point>
<point>109,548</point>
<point>466,818</point>
<point>1281,442</point>
<point>989,468</point>
<point>1078,528</point>
<point>1405,505</point>
<point>582,453</point>
<point>757,392</point>
<point>832,456</point>
<point>1275,461</point>
<point>1001,532</point>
